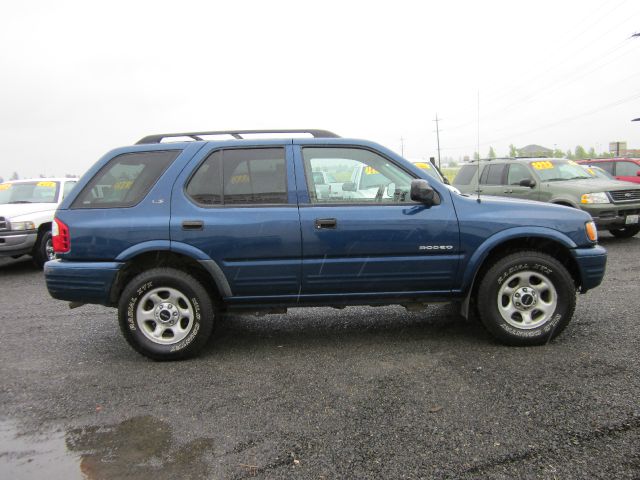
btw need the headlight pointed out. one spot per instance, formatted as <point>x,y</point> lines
<point>598,197</point>
<point>23,226</point>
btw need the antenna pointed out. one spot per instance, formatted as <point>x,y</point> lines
<point>478,176</point>
<point>438,137</point>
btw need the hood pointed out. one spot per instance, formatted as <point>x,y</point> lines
<point>591,185</point>
<point>14,210</point>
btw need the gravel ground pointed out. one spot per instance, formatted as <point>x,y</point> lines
<point>322,393</point>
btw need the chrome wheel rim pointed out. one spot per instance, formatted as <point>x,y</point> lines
<point>527,300</point>
<point>49,251</point>
<point>165,315</point>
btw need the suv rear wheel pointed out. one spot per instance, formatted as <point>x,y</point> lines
<point>526,298</point>
<point>166,314</point>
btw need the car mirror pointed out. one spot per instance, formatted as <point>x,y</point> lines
<point>348,187</point>
<point>422,192</point>
<point>638,173</point>
<point>527,182</point>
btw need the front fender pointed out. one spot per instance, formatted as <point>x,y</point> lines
<point>482,252</point>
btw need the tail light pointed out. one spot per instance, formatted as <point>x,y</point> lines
<point>60,237</point>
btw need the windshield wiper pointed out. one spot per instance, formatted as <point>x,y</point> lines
<point>21,201</point>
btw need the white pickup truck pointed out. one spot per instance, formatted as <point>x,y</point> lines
<point>27,208</point>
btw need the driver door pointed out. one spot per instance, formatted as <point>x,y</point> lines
<point>373,238</point>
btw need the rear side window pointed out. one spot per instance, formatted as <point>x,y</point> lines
<point>243,176</point>
<point>125,180</point>
<point>465,175</point>
<point>492,174</point>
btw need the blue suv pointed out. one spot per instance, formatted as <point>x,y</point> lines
<point>181,227</point>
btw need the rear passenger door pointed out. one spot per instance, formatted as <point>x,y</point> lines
<point>492,179</point>
<point>238,206</point>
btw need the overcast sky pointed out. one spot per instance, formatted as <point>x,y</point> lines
<point>78,78</point>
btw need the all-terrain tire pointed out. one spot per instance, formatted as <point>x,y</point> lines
<point>526,298</point>
<point>166,314</point>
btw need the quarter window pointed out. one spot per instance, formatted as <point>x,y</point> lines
<point>125,180</point>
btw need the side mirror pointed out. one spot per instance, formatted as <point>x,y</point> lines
<point>638,173</point>
<point>422,192</point>
<point>528,182</point>
<point>446,181</point>
<point>349,187</point>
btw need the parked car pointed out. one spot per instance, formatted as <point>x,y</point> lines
<point>627,169</point>
<point>27,208</point>
<point>613,205</point>
<point>188,230</point>
<point>597,172</point>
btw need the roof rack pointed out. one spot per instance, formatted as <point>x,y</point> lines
<point>234,133</point>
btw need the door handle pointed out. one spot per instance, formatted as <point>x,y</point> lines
<point>192,225</point>
<point>326,223</point>
<point>508,190</point>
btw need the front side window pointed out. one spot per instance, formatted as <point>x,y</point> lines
<point>243,176</point>
<point>517,173</point>
<point>125,180</point>
<point>606,166</point>
<point>68,186</point>
<point>354,175</point>
<point>43,191</point>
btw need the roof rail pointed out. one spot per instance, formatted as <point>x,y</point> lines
<point>234,133</point>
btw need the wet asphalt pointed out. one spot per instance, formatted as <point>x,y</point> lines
<point>321,393</point>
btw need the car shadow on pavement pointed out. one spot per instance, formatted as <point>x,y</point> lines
<point>327,327</point>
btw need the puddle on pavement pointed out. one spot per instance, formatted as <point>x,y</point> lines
<point>35,455</point>
<point>140,447</point>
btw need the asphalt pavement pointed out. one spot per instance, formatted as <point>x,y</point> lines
<point>318,393</point>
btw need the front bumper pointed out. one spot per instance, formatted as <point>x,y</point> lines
<point>592,263</point>
<point>83,282</point>
<point>17,243</point>
<point>610,216</point>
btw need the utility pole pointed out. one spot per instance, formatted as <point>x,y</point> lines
<point>438,137</point>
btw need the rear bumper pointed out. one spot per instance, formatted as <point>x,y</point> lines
<point>84,282</point>
<point>592,263</point>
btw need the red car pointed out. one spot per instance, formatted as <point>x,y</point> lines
<point>627,169</point>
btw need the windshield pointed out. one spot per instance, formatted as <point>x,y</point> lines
<point>29,192</point>
<point>557,170</point>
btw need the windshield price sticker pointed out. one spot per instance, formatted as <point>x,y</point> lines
<point>423,165</point>
<point>542,165</point>
<point>123,185</point>
<point>46,184</point>
<point>5,186</point>
<point>370,171</point>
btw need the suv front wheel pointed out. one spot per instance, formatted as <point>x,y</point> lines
<point>625,232</point>
<point>526,298</point>
<point>166,314</point>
